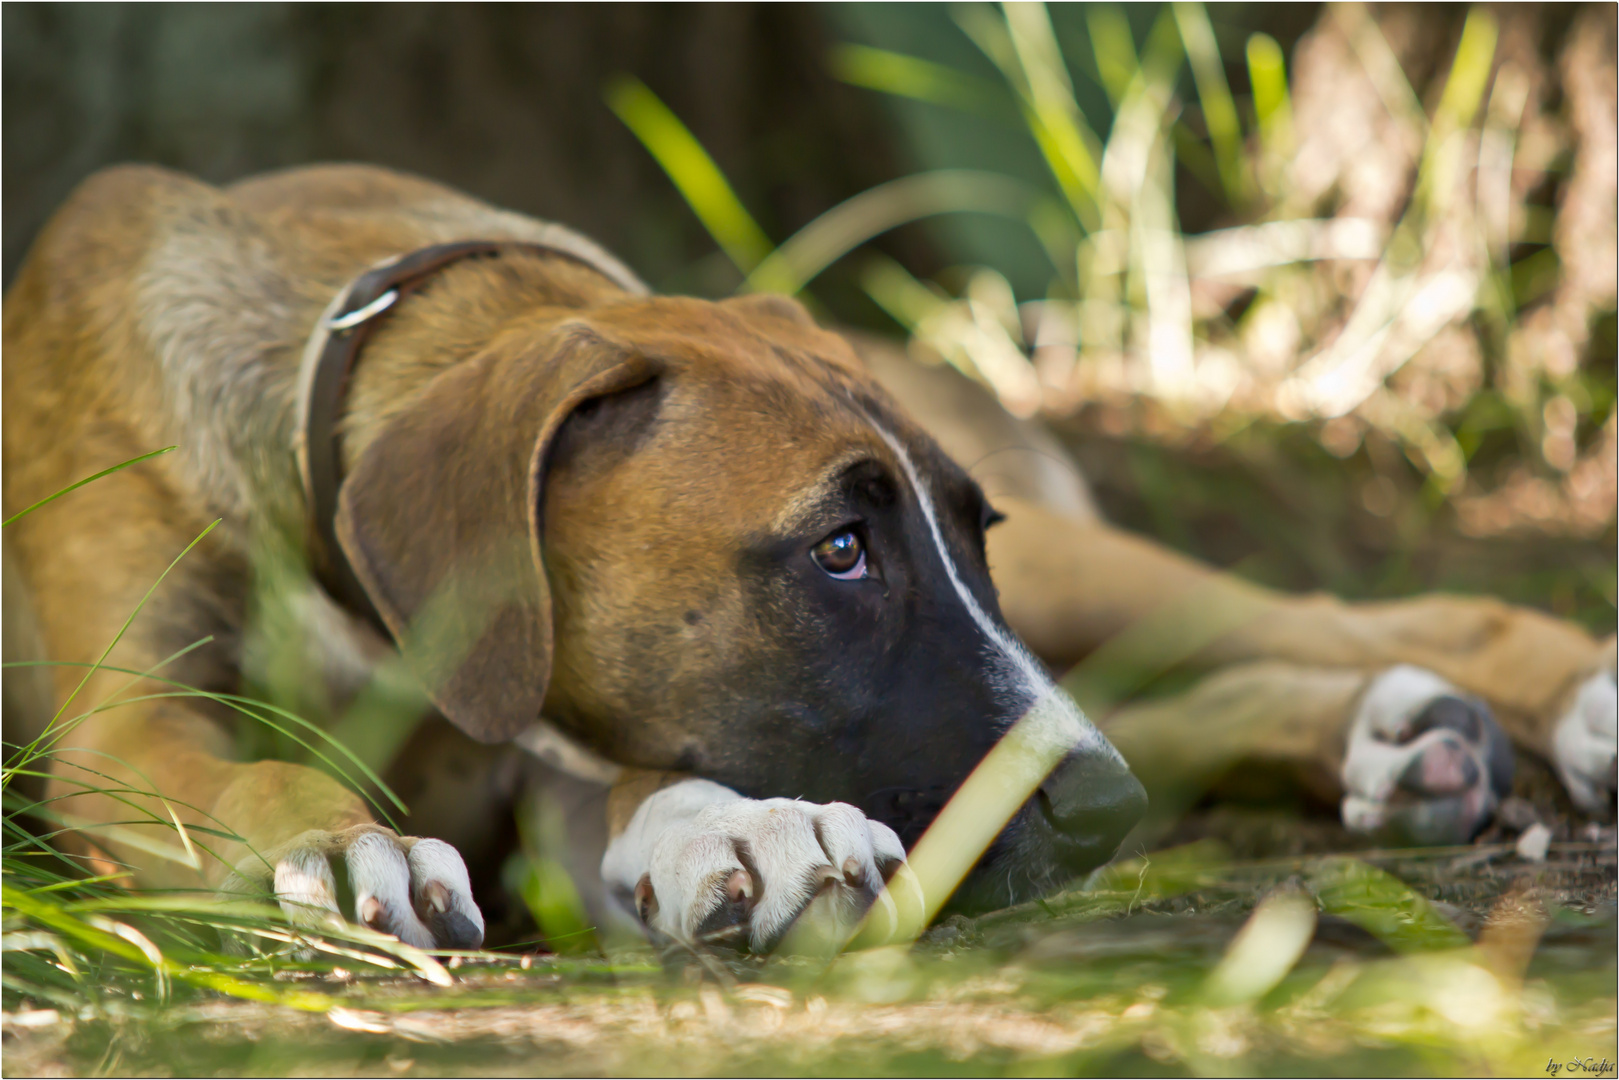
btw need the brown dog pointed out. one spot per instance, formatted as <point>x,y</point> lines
<point>699,538</point>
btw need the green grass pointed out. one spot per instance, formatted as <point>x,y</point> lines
<point>1141,974</point>
<point>80,941</point>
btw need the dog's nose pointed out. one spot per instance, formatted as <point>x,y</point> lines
<point>1092,800</point>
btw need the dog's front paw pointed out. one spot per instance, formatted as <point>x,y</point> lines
<point>742,873</point>
<point>1583,743</point>
<point>1425,762</point>
<point>415,889</point>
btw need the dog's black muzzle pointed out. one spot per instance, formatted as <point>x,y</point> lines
<point>1074,823</point>
<point>1086,807</point>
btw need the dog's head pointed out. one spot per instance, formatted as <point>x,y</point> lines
<point>699,537</point>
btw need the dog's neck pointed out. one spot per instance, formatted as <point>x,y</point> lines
<point>412,317</point>
<point>465,306</point>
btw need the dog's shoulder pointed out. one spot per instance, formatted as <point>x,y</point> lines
<point>133,242</point>
<point>133,195</point>
<point>349,216</point>
<point>167,288</point>
<point>159,232</point>
<point>198,299</point>
<point>84,256</point>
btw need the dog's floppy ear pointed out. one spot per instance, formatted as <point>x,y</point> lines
<point>440,522</point>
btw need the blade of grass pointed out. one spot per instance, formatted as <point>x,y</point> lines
<point>75,883</point>
<point>1493,188</point>
<point>1022,45</point>
<point>25,755</point>
<point>1115,49</point>
<point>932,319</point>
<point>1382,905</point>
<point>892,288</point>
<point>1352,368</point>
<point>978,811</point>
<point>245,706</point>
<point>1158,259</point>
<point>81,483</point>
<point>1130,660</point>
<point>125,627</point>
<point>111,787</point>
<point>381,719</point>
<point>1267,947</point>
<point>912,77</point>
<point>696,176</point>
<point>1108,264</point>
<point>851,223</point>
<point>1382,66</point>
<point>57,919</point>
<point>1458,104</point>
<point>1214,93</point>
<point>1273,105</point>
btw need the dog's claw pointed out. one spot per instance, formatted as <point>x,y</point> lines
<point>437,897</point>
<point>739,887</point>
<point>370,912</point>
<point>451,928</point>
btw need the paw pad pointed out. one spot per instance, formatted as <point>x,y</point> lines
<point>1425,764</point>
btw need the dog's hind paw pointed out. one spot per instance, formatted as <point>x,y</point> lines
<point>745,872</point>
<point>1425,763</point>
<point>1583,743</point>
<point>415,889</point>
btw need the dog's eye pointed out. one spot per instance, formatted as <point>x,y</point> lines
<point>841,555</point>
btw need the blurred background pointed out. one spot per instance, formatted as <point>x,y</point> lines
<point>1324,294</point>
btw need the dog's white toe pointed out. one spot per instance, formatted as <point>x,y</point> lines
<point>744,872</point>
<point>1424,762</point>
<point>306,888</point>
<point>415,889</point>
<point>1583,744</point>
<point>441,892</point>
<point>379,874</point>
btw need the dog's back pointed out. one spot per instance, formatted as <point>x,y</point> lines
<point>220,287</point>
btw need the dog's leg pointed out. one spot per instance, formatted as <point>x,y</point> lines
<point>701,864</point>
<point>1069,587</point>
<point>292,825</point>
<point>132,756</point>
<point>1403,750</point>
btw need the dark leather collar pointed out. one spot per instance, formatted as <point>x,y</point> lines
<point>329,360</point>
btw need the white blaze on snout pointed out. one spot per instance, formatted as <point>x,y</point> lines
<point>1054,717</point>
<point>1048,731</point>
